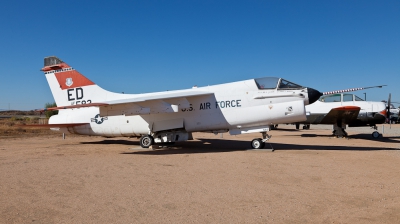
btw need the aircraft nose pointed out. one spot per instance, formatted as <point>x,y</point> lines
<point>313,95</point>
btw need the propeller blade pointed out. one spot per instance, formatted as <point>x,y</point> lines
<point>388,107</point>
<point>352,89</point>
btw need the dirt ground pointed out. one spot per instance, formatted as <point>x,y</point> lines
<point>311,177</point>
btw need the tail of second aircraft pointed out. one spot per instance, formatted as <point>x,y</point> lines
<point>69,87</point>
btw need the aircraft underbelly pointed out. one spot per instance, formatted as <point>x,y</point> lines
<point>277,113</point>
<point>315,118</point>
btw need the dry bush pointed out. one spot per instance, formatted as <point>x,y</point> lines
<point>13,127</point>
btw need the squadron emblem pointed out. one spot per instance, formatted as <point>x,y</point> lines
<point>69,82</point>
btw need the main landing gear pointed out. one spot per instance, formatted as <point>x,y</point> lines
<point>338,131</point>
<point>146,141</point>
<point>375,134</point>
<point>259,143</point>
<point>305,126</point>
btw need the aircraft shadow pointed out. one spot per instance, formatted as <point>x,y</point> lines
<point>220,146</point>
<point>391,139</point>
<point>194,147</point>
<point>286,130</point>
<point>282,146</point>
<point>112,142</point>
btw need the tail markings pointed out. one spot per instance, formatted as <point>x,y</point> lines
<point>67,77</point>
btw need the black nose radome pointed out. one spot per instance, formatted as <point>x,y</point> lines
<point>313,95</point>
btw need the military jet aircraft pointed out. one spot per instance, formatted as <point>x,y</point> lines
<point>241,107</point>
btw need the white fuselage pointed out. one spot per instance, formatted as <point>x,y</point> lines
<point>368,109</point>
<point>319,107</point>
<point>233,106</point>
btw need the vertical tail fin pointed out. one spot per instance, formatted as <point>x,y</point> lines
<point>69,87</point>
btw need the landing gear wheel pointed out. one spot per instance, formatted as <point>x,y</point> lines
<point>257,143</point>
<point>375,134</point>
<point>306,127</point>
<point>146,141</point>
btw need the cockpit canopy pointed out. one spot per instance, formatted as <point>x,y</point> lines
<point>274,82</point>
<point>339,98</point>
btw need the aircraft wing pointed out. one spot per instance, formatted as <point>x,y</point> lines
<point>145,104</point>
<point>163,96</point>
<point>345,114</point>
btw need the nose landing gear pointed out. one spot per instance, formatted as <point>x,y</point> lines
<point>259,143</point>
<point>375,134</point>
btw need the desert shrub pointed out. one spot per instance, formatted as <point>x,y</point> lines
<point>50,113</point>
<point>21,130</point>
<point>35,120</point>
<point>9,123</point>
<point>16,119</point>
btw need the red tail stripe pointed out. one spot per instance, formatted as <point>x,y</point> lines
<point>72,79</point>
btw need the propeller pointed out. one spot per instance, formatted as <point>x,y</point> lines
<point>352,89</point>
<point>388,107</point>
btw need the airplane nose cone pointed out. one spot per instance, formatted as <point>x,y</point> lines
<point>313,95</point>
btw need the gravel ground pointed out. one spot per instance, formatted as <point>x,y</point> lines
<point>311,177</point>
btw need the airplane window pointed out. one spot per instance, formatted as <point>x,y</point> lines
<point>347,97</point>
<point>331,98</point>
<point>267,82</point>
<point>288,85</point>
<point>358,98</point>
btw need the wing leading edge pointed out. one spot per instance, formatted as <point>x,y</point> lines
<point>154,103</point>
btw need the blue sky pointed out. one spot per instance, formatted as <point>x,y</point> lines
<point>147,46</point>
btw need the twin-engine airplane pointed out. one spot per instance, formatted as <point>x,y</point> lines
<point>341,109</point>
<point>164,117</point>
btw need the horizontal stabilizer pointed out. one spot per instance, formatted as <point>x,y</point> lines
<point>66,125</point>
<point>76,106</point>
